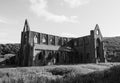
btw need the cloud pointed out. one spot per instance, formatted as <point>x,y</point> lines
<point>3,21</point>
<point>39,7</point>
<point>76,3</point>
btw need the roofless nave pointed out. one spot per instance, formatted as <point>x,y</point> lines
<point>45,49</point>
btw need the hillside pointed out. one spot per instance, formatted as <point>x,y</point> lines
<point>112,47</point>
<point>112,43</point>
<point>85,73</point>
<point>8,53</point>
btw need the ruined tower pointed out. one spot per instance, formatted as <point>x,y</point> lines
<point>97,45</point>
<point>25,50</point>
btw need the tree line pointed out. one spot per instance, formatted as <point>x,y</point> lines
<point>9,48</point>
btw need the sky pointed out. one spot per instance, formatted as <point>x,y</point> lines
<point>69,18</point>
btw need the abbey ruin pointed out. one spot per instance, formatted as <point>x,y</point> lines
<point>39,49</point>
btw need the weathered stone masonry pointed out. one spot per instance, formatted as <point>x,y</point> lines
<point>39,49</point>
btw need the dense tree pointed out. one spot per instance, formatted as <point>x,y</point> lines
<point>9,48</point>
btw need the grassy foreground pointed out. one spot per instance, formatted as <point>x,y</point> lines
<point>84,73</point>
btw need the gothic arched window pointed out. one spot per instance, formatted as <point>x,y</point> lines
<point>60,41</point>
<point>44,39</point>
<point>36,39</point>
<point>97,32</point>
<point>52,40</point>
<point>64,41</point>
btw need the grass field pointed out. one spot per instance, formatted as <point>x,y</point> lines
<point>84,73</point>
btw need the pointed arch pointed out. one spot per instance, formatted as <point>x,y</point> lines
<point>97,30</point>
<point>26,26</point>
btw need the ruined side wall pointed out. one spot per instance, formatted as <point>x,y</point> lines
<point>82,47</point>
<point>47,39</point>
<point>45,43</point>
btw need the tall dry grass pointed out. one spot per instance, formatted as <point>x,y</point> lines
<point>59,75</point>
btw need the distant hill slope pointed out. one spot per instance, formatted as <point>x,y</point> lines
<point>112,43</point>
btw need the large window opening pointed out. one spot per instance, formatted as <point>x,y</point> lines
<point>35,39</point>
<point>98,49</point>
